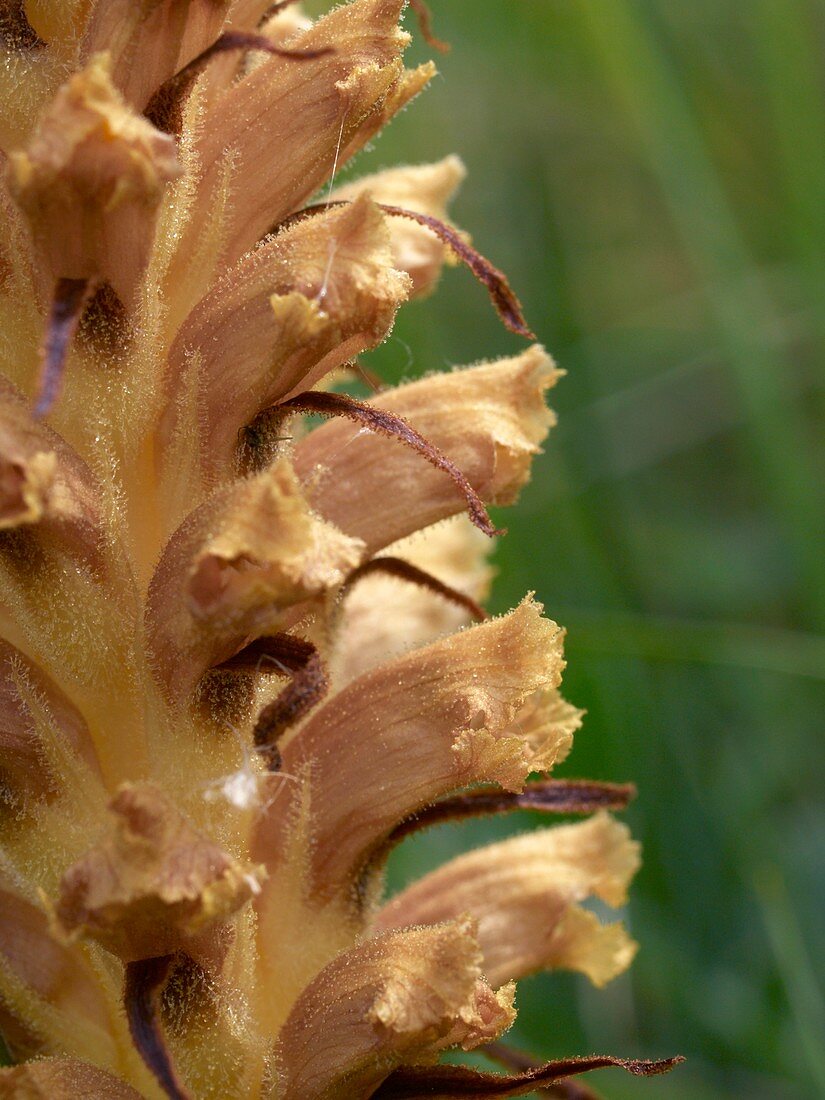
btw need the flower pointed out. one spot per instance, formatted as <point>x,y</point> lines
<point>242,659</point>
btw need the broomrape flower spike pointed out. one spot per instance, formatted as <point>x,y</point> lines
<point>240,663</point>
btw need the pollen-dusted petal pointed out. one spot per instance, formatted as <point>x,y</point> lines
<point>283,123</point>
<point>398,998</point>
<point>62,1079</point>
<point>232,569</point>
<point>150,40</point>
<point>307,301</point>
<point>524,893</point>
<point>383,617</point>
<point>426,188</point>
<point>488,419</point>
<point>90,181</point>
<point>416,728</point>
<point>154,883</point>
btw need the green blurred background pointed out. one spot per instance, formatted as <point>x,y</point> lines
<point>651,175</point>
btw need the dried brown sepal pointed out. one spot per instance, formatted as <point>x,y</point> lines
<point>70,296</point>
<point>453,1082</point>
<point>516,1061</point>
<point>308,685</point>
<point>142,992</point>
<point>506,304</point>
<point>406,571</point>
<point>389,424</point>
<point>553,796</point>
<point>550,796</point>
<point>425,23</point>
<point>504,300</point>
<point>163,105</point>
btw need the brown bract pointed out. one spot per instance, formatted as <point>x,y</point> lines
<point>153,885</point>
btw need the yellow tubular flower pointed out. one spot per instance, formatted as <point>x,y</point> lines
<point>241,657</point>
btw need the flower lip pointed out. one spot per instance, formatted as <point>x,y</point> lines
<point>394,998</point>
<point>526,894</point>
<point>90,182</point>
<point>153,885</point>
<point>408,732</point>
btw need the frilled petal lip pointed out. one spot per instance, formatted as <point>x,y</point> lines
<point>395,999</point>
<point>153,884</point>
<point>525,893</point>
<point>413,730</point>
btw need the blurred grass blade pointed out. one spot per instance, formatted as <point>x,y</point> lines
<point>641,73</point>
